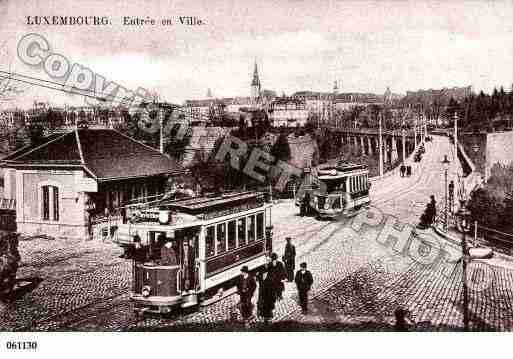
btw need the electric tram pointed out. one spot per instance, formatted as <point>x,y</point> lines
<point>212,237</point>
<point>337,189</point>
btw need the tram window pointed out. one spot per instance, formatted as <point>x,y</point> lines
<point>251,228</point>
<point>210,242</point>
<point>260,225</point>
<point>221,238</point>
<point>241,231</point>
<point>232,235</point>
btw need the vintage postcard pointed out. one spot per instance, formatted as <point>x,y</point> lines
<point>269,166</point>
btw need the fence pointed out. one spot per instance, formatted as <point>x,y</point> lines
<point>500,241</point>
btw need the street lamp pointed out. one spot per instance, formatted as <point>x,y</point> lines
<point>463,216</point>
<point>446,163</point>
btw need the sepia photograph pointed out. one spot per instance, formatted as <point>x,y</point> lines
<point>255,166</point>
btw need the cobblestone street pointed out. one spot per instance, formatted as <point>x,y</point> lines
<point>358,281</point>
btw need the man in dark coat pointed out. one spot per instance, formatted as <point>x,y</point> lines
<point>138,253</point>
<point>246,288</point>
<point>304,281</point>
<point>432,210</point>
<point>277,274</point>
<point>403,169</point>
<point>266,296</point>
<point>289,259</point>
<point>305,205</point>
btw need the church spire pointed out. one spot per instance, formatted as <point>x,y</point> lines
<point>256,80</point>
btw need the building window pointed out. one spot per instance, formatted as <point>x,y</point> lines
<point>50,203</point>
<point>46,202</point>
<point>55,203</point>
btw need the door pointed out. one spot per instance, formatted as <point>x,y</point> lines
<point>188,240</point>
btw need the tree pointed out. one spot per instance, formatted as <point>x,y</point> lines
<point>281,148</point>
<point>9,262</point>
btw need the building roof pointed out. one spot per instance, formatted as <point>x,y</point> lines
<point>104,153</point>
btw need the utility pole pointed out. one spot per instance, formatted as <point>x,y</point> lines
<point>403,132</point>
<point>415,132</point>
<point>455,137</point>
<point>380,146</point>
<point>161,123</point>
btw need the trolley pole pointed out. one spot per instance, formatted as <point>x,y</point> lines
<point>380,147</point>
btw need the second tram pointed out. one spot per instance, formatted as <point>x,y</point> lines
<point>337,189</point>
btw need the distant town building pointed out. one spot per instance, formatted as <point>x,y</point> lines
<point>288,112</point>
<point>259,100</point>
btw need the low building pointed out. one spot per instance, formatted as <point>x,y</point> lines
<point>61,184</point>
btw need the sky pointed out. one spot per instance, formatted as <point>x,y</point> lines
<point>298,45</point>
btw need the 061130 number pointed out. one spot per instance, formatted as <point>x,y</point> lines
<point>11,345</point>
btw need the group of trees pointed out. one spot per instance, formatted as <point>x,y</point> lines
<point>482,112</point>
<point>492,205</point>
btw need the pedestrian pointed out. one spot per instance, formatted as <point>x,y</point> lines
<point>304,204</point>
<point>402,169</point>
<point>289,259</point>
<point>408,170</point>
<point>246,288</point>
<point>402,321</point>
<point>432,209</point>
<point>277,274</point>
<point>304,281</point>
<point>137,252</point>
<point>266,296</point>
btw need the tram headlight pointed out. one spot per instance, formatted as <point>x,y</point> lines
<point>146,291</point>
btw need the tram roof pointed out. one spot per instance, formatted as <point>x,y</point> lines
<point>203,203</point>
<point>344,166</point>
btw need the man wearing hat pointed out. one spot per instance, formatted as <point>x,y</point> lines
<point>304,281</point>
<point>289,259</point>
<point>277,274</point>
<point>245,288</point>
